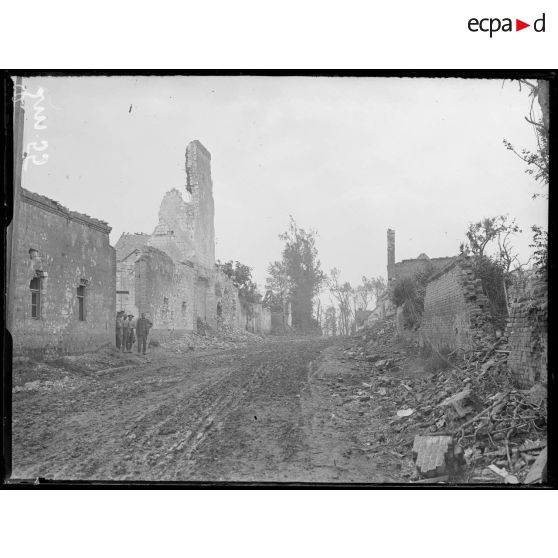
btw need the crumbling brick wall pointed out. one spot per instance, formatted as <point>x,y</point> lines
<point>527,334</point>
<point>455,309</point>
<point>65,250</point>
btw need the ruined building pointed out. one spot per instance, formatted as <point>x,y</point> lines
<point>408,268</point>
<point>399,270</point>
<point>64,288</point>
<point>171,274</point>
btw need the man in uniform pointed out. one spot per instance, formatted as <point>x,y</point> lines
<point>119,329</point>
<point>131,327</point>
<point>142,329</point>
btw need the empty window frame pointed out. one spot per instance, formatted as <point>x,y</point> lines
<point>81,303</point>
<point>35,286</point>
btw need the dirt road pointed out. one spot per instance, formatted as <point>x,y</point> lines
<point>290,410</point>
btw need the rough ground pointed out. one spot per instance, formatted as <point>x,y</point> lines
<point>291,410</point>
<point>296,410</point>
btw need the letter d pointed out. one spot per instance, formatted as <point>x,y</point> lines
<point>535,25</point>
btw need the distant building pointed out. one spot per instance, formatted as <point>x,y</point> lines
<point>64,287</point>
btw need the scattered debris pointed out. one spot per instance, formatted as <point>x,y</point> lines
<point>471,399</point>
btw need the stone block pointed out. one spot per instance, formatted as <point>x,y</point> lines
<point>433,455</point>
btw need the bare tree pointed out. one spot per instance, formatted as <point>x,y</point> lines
<point>343,294</point>
<point>537,161</point>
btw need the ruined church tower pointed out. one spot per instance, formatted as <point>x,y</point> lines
<point>200,187</point>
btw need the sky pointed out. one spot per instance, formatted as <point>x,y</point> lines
<point>346,157</point>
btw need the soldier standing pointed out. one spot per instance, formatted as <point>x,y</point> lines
<point>130,338</point>
<point>142,330</point>
<point>119,329</point>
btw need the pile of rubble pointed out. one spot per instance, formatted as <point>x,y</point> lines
<point>455,420</point>
<point>224,338</point>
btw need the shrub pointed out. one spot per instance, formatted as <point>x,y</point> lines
<point>494,283</point>
<point>409,292</point>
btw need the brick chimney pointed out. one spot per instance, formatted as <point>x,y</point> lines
<point>390,254</point>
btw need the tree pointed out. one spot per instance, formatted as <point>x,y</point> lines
<point>540,245</point>
<point>409,293</point>
<point>330,321</point>
<point>492,231</point>
<point>537,161</point>
<point>343,294</point>
<point>241,277</point>
<point>277,286</point>
<point>378,286</point>
<point>489,244</point>
<point>299,274</point>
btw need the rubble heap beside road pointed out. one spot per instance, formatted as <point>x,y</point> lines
<point>498,429</point>
<point>225,338</point>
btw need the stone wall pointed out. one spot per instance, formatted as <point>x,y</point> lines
<point>165,291</point>
<point>527,335</point>
<point>126,284</point>
<point>455,309</point>
<point>64,250</point>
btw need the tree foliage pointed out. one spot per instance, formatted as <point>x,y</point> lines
<point>537,161</point>
<point>330,321</point>
<point>297,275</point>
<point>409,292</point>
<point>540,246</point>
<point>493,259</point>
<point>343,294</point>
<point>278,286</point>
<point>495,233</point>
<point>241,276</point>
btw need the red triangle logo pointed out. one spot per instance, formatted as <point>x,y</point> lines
<point>519,25</point>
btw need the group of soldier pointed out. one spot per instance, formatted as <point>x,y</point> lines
<point>129,330</point>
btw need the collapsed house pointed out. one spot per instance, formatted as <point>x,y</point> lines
<point>64,287</point>
<point>399,270</point>
<point>410,267</point>
<point>458,316</point>
<point>171,275</point>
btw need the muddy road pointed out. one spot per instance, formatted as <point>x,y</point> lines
<point>291,410</point>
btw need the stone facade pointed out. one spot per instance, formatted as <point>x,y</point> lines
<point>527,334</point>
<point>64,291</point>
<point>171,274</point>
<point>456,312</point>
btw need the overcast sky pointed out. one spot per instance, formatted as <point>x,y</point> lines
<point>348,157</point>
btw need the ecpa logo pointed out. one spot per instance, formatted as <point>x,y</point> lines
<point>493,25</point>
